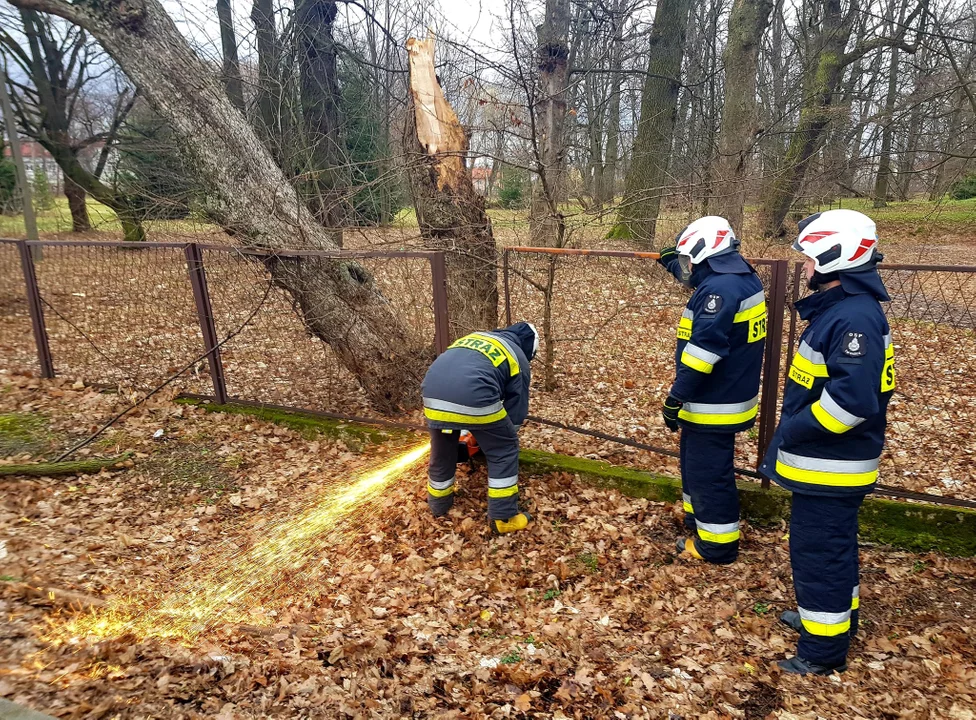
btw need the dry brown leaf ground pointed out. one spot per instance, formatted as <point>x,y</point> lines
<point>586,615</point>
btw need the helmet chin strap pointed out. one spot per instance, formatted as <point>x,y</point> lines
<point>819,280</point>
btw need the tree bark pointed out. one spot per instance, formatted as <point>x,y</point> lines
<point>450,213</point>
<point>648,175</point>
<point>883,181</point>
<point>553,59</point>
<point>740,121</point>
<point>608,188</point>
<point>270,86</point>
<point>323,176</point>
<point>250,196</point>
<point>233,84</point>
<point>78,205</point>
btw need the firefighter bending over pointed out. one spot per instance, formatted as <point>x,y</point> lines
<point>481,384</point>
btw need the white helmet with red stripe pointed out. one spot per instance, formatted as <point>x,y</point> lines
<point>705,238</point>
<point>838,240</point>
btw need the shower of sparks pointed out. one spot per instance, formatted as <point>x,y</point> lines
<point>229,587</point>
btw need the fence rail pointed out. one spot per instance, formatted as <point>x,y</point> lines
<point>120,313</point>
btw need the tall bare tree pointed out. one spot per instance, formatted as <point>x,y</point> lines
<point>740,122</point>
<point>647,178</point>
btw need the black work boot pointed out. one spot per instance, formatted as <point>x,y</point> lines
<point>799,666</point>
<point>791,618</point>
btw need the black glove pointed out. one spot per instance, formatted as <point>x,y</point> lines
<point>670,413</point>
<point>667,255</point>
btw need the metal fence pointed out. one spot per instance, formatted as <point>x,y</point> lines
<point>133,315</point>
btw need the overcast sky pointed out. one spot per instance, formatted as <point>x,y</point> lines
<point>469,20</point>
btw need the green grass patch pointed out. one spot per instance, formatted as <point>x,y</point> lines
<point>511,658</point>
<point>23,433</point>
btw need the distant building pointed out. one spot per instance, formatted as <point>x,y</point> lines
<point>481,177</point>
<point>37,158</point>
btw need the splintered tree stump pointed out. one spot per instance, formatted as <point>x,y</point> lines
<point>450,213</point>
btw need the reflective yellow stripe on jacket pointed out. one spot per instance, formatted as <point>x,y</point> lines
<point>821,471</point>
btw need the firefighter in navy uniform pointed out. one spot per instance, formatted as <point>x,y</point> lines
<point>831,431</point>
<point>480,384</point>
<point>716,389</point>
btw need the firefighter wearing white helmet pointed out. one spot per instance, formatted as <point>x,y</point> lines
<point>715,393</point>
<point>481,384</point>
<point>830,436</point>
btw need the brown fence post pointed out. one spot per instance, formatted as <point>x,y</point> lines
<point>442,329</point>
<point>201,296</point>
<point>36,309</point>
<point>508,297</point>
<point>769,395</point>
<point>797,279</point>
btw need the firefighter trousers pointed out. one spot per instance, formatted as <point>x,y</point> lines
<point>499,442</point>
<point>708,481</point>
<point>823,553</point>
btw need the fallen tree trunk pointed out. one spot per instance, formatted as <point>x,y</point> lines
<point>249,196</point>
<point>75,467</point>
<point>450,213</point>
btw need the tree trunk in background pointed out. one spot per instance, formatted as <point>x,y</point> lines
<point>648,178</point>
<point>883,180</point>
<point>883,183</point>
<point>323,176</point>
<point>251,198</point>
<point>820,80</point>
<point>270,86</point>
<point>737,132</point>
<point>233,85</point>
<point>450,213</point>
<point>943,175</point>
<point>608,189</point>
<point>78,205</point>
<point>553,60</point>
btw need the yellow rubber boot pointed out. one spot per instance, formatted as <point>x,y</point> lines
<point>513,524</point>
<point>688,545</point>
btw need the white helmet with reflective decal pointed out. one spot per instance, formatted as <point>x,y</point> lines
<point>838,240</point>
<point>535,342</point>
<point>706,237</point>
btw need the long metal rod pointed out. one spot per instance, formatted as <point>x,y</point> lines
<point>208,328</point>
<point>36,310</point>
<point>769,399</point>
<point>442,326</point>
<point>30,222</point>
<point>505,286</point>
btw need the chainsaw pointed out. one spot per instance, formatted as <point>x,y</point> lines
<point>467,446</point>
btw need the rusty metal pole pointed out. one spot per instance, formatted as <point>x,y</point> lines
<point>36,309</point>
<point>508,297</point>
<point>30,222</point>
<point>797,279</point>
<point>201,296</point>
<point>769,395</point>
<point>442,328</point>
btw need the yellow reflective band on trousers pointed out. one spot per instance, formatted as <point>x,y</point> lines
<point>502,492</point>
<point>719,414</point>
<point>821,471</point>
<point>825,624</point>
<point>856,598</point>
<point>686,503</point>
<point>439,493</point>
<point>718,533</point>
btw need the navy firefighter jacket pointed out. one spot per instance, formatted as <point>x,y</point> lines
<point>482,378</point>
<point>720,345</point>
<point>832,426</point>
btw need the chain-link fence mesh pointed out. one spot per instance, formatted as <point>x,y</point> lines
<point>606,359</point>
<point>120,315</point>
<point>930,444</point>
<point>275,359</point>
<point>16,340</point>
<point>126,315</point>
